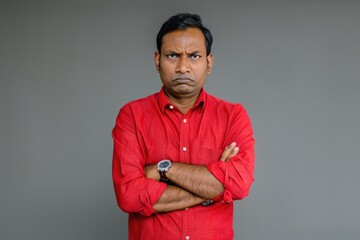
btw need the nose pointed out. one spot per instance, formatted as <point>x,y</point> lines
<point>183,65</point>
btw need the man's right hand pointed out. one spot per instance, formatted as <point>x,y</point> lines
<point>229,152</point>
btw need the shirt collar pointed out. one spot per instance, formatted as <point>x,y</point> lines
<point>164,101</point>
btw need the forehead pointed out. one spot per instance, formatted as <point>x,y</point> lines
<point>183,39</point>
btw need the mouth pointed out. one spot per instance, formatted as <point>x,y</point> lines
<point>183,80</point>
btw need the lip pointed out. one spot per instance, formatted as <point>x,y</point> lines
<point>183,80</point>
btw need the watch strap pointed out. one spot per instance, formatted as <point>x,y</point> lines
<point>163,177</point>
<point>207,203</point>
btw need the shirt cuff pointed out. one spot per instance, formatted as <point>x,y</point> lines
<point>149,199</point>
<point>218,169</point>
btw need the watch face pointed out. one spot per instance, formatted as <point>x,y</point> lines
<point>164,164</point>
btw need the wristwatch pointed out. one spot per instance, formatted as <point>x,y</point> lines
<point>163,166</point>
<point>206,203</point>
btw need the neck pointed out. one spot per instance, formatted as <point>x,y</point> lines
<point>183,103</point>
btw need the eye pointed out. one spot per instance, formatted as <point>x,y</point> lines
<point>195,56</point>
<point>172,55</point>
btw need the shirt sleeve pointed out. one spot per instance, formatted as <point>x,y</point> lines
<point>237,174</point>
<point>134,192</point>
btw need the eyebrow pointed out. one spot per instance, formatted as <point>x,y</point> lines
<point>176,52</point>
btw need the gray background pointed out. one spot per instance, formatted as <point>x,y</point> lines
<point>66,67</point>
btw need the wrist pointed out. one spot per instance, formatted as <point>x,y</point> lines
<point>151,172</point>
<point>163,166</point>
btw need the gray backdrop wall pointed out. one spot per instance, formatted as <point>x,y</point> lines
<point>66,67</point>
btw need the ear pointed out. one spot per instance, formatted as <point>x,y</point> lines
<point>210,62</point>
<point>157,60</point>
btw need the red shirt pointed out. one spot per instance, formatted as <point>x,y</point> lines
<point>151,129</point>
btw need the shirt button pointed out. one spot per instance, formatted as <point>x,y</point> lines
<point>187,237</point>
<point>184,149</point>
<point>186,208</point>
<point>171,107</point>
<point>185,120</point>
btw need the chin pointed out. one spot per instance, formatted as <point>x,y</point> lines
<point>184,90</point>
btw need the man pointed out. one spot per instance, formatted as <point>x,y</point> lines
<point>181,156</point>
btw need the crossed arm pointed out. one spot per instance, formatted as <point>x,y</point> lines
<point>136,192</point>
<point>193,184</point>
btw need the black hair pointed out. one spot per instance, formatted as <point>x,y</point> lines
<point>183,21</point>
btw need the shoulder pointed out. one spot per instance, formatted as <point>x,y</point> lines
<point>138,107</point>
<point>216,102</point>
<point>232,113</point>
<point>141,103</point>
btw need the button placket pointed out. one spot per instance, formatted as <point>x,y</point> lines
<point>184,138</point>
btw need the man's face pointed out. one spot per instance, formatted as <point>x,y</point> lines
<point>182,64</point>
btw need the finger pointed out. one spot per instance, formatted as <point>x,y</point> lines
<point>227,152</point>
<point>234,152</point>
